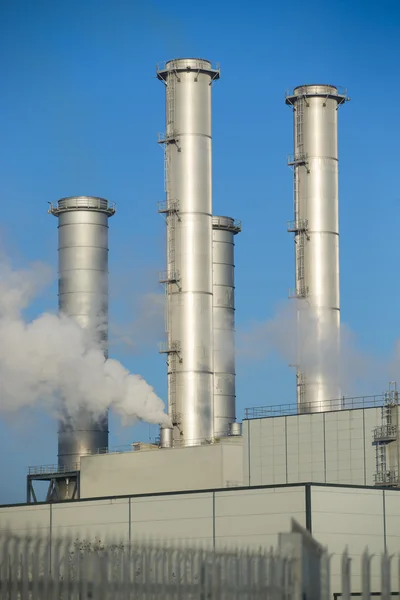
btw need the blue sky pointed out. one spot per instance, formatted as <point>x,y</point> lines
<point>80,109</point>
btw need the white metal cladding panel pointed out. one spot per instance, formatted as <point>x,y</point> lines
<point>260,435</point>
<point>357,448</point>
<point>326,448</point>
<point>262,452</point>
<point>232,464</point>
<point>392,513</point>
<point>95,518</point>
<point>277,454</point>
<point>344,434</point>
<point>182,517</point>
<point>352,518</point>
<point>254,517</point>
<point>305,448</point>
<point>293,451</point>
<point>317,448</point>
<point>261,447</point>
<point>337,445</point>
<point>372,418</point>
<point>20,519</point>
<point>246,452</point>
<point>256,476</point>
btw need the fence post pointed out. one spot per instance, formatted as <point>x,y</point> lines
<point>290,544</point>
<point>366,575</point>
<point>346,576</point>
<point>385,576</point>
<point>325,576</point>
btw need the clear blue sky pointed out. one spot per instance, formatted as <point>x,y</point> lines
<point>79,112</point>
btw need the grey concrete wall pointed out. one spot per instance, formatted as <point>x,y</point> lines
<point>336,516</point>
<point>332,447</point>
<point>356,519</point>
<point>245,517</point>
<point>163,470</point>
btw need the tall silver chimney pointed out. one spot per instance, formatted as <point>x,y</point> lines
<point>316,236</point>
<point>224,231</point>
<point>188,278</point>
<point>83,295</point>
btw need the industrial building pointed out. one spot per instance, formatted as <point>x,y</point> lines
<point>330,462</point>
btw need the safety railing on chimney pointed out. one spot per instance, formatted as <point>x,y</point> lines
<point>193,64</point>
<point>317,90</point>
<point>297,159</point>
<point>82,203</point>
<point>227,223</point>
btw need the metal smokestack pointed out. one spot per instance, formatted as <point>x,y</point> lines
<point>83,295</point>
<point>224,231</point>
<point>316,235</point>
<point>188,278</point>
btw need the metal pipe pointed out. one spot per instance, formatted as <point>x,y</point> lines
<point>83,295</point>
<point>166,437</point>
<point>316,235</point>
<point>188,278</point>
<point>235,429</point>
<point>224,231</point>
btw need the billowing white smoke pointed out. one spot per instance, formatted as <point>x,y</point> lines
<point>52,357</point>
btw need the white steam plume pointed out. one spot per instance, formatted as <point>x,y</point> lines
<point>52,357</point>
<point>346,367</point>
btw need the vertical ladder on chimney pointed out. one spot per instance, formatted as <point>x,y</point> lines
<point>171,103</point>
<point>170,208</point>
<point>301,291</point>
<point>299,227</point>
<point>299,126</point>
<point>296,194</point>
<point>300,382</point>
<point>171,232</point>
<point>171,383</point>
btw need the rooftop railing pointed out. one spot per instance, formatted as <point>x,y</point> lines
<point>283,410</point>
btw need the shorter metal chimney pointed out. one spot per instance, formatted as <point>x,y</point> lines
<point>224,231</point>
<point>82,295</point>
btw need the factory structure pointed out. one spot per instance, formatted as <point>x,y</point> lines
<point>328,461</point>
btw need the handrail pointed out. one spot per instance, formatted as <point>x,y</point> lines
<point>297,225</point>
<point>201,65</point>
<point>134,447</point>
<point>167,206</point>
<point>295,159</point>
<point>227,223</point>
<point>168,276</point>
<point>82,203</point>
<point>52,469</point>
<point>390,477</point>
<point>385,431</point>
<point>317,89</point>
<point>280,410</point>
